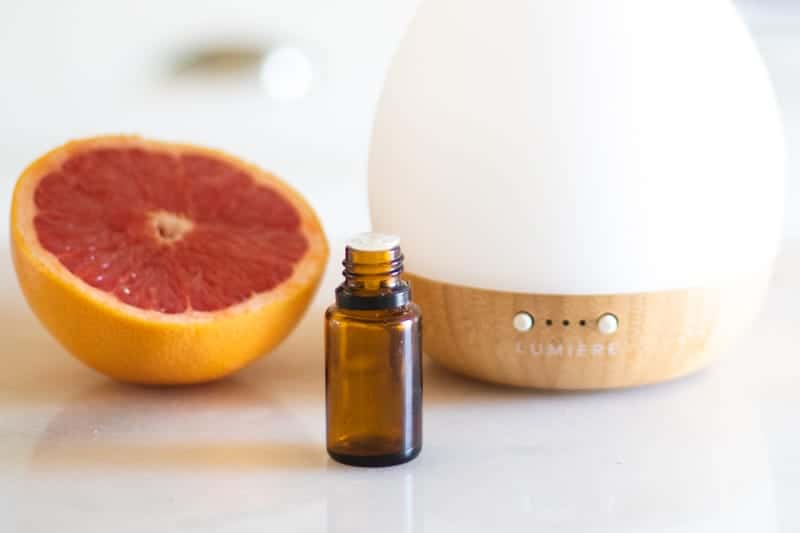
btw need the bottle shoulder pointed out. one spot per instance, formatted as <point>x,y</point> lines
<point>408,312</point>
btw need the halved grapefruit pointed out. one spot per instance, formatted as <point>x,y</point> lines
<point>163,263</point>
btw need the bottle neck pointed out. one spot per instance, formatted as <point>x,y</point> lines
<point>372,280</point>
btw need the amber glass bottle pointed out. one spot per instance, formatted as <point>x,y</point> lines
<point>373,373</point>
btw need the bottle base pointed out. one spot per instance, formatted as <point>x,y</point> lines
<point>391,459</point>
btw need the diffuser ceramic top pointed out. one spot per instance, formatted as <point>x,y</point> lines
<point>575,147</point>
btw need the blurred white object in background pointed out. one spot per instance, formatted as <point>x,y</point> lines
<point>97,66</point>
<point>287,73</point>
<point>776,27</point>
<point>71,69</point>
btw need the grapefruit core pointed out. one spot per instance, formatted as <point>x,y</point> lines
<point>163,263</point>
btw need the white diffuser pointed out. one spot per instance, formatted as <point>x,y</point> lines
<point>590,193</point>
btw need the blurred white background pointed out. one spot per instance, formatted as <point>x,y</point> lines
<point>192,71</point>
<point>83,67</point>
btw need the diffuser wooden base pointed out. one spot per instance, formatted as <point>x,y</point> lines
<point>661,335</point>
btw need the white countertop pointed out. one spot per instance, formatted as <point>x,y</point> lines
<point>719,451</point>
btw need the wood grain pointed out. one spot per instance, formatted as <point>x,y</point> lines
<point>661,335</point>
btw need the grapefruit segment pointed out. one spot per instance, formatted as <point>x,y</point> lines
<point>163,247</point>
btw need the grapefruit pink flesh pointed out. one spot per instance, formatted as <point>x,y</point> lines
<point>167,232</point>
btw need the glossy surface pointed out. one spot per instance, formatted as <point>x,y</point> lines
<point>718,452</point>
<point>373,359</point>
<point>373,379</point>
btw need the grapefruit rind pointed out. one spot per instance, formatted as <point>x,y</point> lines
<point>145,346</point>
